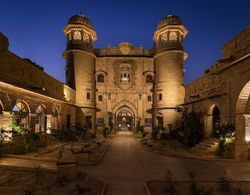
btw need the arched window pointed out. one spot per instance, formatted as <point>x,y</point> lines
<point>160,96</point>
<point>149,98</point>
<point>149,79</point>
<point>100,78</point>
<point>88,96</point>
<point>21,107</point>
<point>54,118</point>
<point>216,119</point>
<point>125,78</point>
<point>21,111</point>
<point>41,119</point>
<point>100,98</point>
<point>77,35</point>
<point>41,110</point>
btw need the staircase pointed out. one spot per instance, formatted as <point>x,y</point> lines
<point>205,147</point>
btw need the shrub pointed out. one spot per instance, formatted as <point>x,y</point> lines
<point>193,187</point>
<point>106,131</point>
<point>78,129</point>
<point>224,182</point>
<point>226,134</point>
<point>31,140</point>
<point>140,130</point>
<point>110,121</point>
<point>65,135</point>
<point>192,128</point>
<point>170,184</point>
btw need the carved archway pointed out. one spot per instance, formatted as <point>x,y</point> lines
<point>125,103</point>
<point>125,106</point>
<point>212,119</point>
<point>242,123</point>
<point>242,118</point>
<point>125,119</point>
<point>41,119</point>
<point>21,111</point>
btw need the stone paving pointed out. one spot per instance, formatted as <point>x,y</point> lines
<point>127,165</point>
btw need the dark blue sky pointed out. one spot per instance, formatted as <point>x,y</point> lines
<point>34,27</point>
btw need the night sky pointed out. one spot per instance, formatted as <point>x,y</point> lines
<point>35,27</point>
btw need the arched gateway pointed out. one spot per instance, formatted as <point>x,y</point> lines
<point>125,119</point>
<point>125,116</point>
<point>242,123</point>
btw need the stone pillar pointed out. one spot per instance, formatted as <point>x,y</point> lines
<point>241,146</point>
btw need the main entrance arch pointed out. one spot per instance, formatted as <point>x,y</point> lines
<point>125,116</point>
<point>124,119</point>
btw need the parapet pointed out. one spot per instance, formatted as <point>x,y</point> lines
<point>4,42</point>
<point>238,46</point>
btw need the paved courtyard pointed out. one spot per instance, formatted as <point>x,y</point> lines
<point>126,166</point>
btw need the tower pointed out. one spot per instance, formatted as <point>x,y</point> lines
<point>169,68</point>
<point>80,67</point>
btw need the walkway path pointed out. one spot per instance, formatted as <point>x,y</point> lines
<point>126,167</point>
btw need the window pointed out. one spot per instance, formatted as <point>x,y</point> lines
<point>88,96</point>
<point>100,78</point>
<point>149,98</point>
<point>77,35</point>
<point>173,36</point>
<point>160,96</point>
<point>164,37</point>
<point>41,109</point>
<point>125,78</point>
<point>100,98</point>
<point>20,107</point>
<point>149,79</point>
<point>86,37</point>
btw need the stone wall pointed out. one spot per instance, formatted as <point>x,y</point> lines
<point>222,83</point>
<point>23,80</point>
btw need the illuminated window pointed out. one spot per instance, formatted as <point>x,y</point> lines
<point>125,78</point>
<point>100,98</point>
<point>173,36</point>
<point>41,110</point>
<point>149,79</point>
<point>160,96</point>
<point>149,98</point>
<point>88,96</point>
<point>164,37</point>
<point>20,107</point>
<point>77,35</point>
<point>86,37</point>
<point>100,78</point>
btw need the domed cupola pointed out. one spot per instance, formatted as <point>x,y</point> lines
<point>80,33</point>
<point>80,19</point>
<point>169,20</point>
<point>170,34</point>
